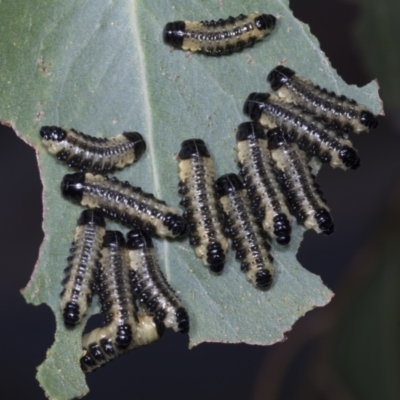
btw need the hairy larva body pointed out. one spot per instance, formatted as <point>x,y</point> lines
<point>257,170</point>
<point>91,154</point>
<point>339,110</point>
<point>150,286</point>
<point>219,37</point>
<point>248,239</point>
<point>312,135</point>
<point>196,185</point>
<point>78,284</point>
<point>302,192</point>
<point>123,328</point>
<point>124,203</point>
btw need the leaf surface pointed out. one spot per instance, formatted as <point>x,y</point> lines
<point>101,67</point>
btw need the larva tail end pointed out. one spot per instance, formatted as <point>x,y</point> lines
<point>279,76</point>
<point>263,279</point>
<point>250,130</point>
<point>72,186</point>
<point>282,229</point>
<point>182,319</point>
<point>124,336</point>
<point>325,221</point>
<point>215,257</point>
<point>350,157</point>
<point>369,120</point>
<point>71,314</point>
<point>174,33</point>
<point>53,133</point>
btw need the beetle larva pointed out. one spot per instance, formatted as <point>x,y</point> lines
<point>302,192</point>
<point>340,110</point>
<point>221,37</point>
<point>79,274</point>
<point>124,203</point>
<point>310,133</point>
<point>196,174</point>
<point>257,170</point>
<point>247,236</point>
<point>150,286</point>
<point>92,154</point>
<point>123,328</point>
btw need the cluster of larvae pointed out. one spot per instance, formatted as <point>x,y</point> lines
<point>291,124</point>
<point>137,302</point>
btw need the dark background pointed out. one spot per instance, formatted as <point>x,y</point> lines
<point>358,200</point>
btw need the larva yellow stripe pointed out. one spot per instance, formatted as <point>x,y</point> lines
<point>92,154</point>
<point>248,239</point>
<point>79,283</point>
<point>220,37</point>
<point>196,185</point>
<point>338,110</point>
<point>124,203</point>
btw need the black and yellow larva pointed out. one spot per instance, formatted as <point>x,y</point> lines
<point>124,203</point>
<point>312,135</point>
<point>221,37</point>
<point>150,286</point>
<point>196,174</point>
<point>248,239</point>
<point>257,170</point>
<point>338,110</point>
<point>79,282</point>
<point>92,154</point>
<point>123,328</point>
<point>302,192</point>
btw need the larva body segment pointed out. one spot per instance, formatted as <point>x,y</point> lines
<point>124,203</point>
<point>248,239</point>
<point>91,154</point>
<point>79,281</point>
<point>257,170</point>
<point>302,192</point>
<point>150,286</point>
<point>123,328</point>
<point>339,110</point>
<point>196,185</point>
<point>220,37</point>
<point>312,135</point>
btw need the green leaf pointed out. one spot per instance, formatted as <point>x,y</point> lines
<point>101,68</point>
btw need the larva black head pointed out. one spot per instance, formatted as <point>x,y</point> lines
<point>325,221</point>
<point>369,120</point>
<point>139,143</point>
<point>253,105</point>
<point>276,138</point>
<point>72,186</point>
<point>215,257</point>
<point>91,217</point>
<point>349,157</point>
<point>227,184</point>
<point>71,314</point>
<point>182,319</point>
<point>193,147</point>
<point>282,229</point>
<point>263,279</point>
<point>279,76</point>
<point>53,133</point>
<point>265,22</point>
<point>250,130</point>
<point>175,223</point>
<point>174,33</point>
<point>112,238</point>
<point>137,239</point>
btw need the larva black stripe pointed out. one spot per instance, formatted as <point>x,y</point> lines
<point>92,154</point>
<point>78,284</point>
<point>257,170</point>
<point>123,329</point>
<point>196,174</point>
<point>150,286</point>
<point>302,192</point>
<point>310,133</point>
<point>220,37</point>
<point>124,203</point>
<point>247,236</point>
<point>340,110</point>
